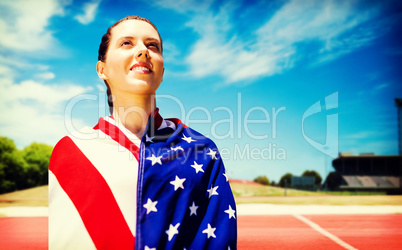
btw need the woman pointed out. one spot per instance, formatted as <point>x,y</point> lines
<point>142,181</point>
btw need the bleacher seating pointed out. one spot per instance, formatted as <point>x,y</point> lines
<point>394,180</point>
<point>352,181</point>
<point>366,181</point>
<point>366,172</point>
<point>382,181</point>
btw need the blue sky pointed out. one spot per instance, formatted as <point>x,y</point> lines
<point>280,86</point>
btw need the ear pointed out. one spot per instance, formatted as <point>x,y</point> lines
<point>100,69</point>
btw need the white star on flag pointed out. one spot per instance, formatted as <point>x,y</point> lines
<point>148,248</point>
<point>230,212</point>
<point>210,231</point>
<point>197,167</point>
<point>155,159</point>
<point>193,209</point>
<point>151,206</point>
<point>212,191</point>
<point>149,139</point>
<point>187,139</point>
<point>177,148</point>
<point>212,153</point>
<point>226,177</point>
<point>172,231</point>
<point>178,183</point>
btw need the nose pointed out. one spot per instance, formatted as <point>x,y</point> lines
<point>143,54</point>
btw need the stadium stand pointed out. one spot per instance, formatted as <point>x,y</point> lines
<point>366,181</point>
<point>352,181</point>
<point>366,172</point>
<point>394,180</point>
<point>382,181</point>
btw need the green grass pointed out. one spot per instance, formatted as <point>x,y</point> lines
<point>352,193</point>
<point>254,193</point>
<point>243,189</point>
<point>244,193</point>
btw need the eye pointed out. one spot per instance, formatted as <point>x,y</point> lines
<point>153,45</point>
<point>126,43</point>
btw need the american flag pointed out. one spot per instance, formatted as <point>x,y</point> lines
<point>182,195</point>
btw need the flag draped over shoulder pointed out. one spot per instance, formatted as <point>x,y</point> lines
<point>182,196</point>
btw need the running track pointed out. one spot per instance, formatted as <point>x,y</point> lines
<point>257,232</point>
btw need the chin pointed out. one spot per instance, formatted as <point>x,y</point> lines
<point>142,88</point>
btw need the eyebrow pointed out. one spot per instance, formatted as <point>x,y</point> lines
<point>133,38</point>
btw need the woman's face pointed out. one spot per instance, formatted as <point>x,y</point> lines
<point>134,61</point>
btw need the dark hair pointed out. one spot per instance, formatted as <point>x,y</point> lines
<point>104,46</point>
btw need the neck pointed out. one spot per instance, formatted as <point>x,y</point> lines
<point>133,111</point>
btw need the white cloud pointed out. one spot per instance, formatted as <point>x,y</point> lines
<point>378,147</point>
<point>334,27</point>
<point>367,134</point>
<point>183,6</point>
<point>170,52</point>
<point>13,62</point>
<point>6,71</point>
<point>381,86</point>
<point>23,24</point>
<point>45,76</point>
<point>360,135</point>
<point>12,66</point>
<point>89,12</point>
<point>318,21</point>
<point>33,111</point>
<point>214,54</point>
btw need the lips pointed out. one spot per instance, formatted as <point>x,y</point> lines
<point>142,67</point>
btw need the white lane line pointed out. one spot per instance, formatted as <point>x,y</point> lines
<point>324,232</point>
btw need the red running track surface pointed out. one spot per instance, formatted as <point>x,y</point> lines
<point>364,232</point>
<point>279,232</point>
<point>288,232</point>
<point>254,232</point>
<point>23,233</point>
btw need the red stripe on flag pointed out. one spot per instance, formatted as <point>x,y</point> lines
<point>117,135</point>
<point>157,119</point>
<point>91,196</point>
